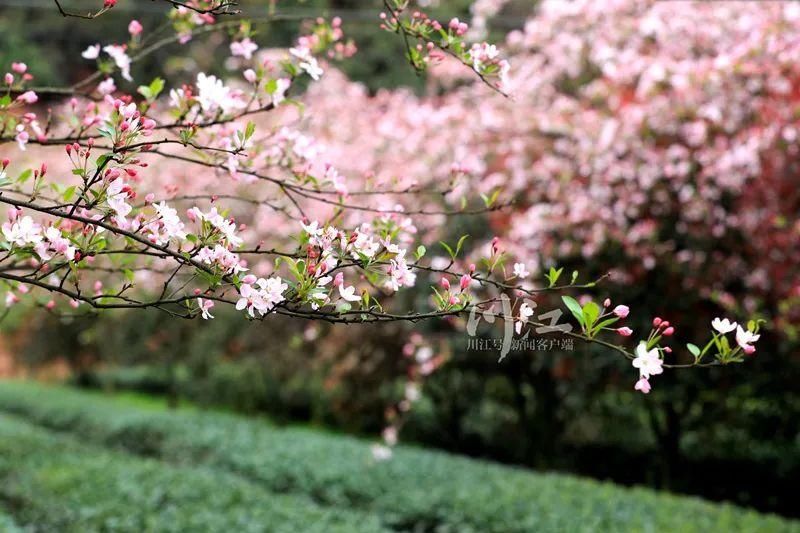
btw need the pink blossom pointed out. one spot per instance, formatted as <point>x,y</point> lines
<point>642,385</point>
<point>28,97</point>
<point>625,331</point>
<point>205,306</point>
<point>106,86</point>
<point>135,27</point>
<point>621,311</point>
<point>92,52</point>
<point>243,48</point>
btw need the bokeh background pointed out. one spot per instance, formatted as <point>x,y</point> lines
<point>724,433</point>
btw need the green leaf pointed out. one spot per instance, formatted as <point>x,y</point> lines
<point>574,276</point>
<point>591,312</point>
<point>694,350</point>
<point>26,174</point>
<point>68,193</point>
<point>460,243</point>
<point>152,91</point>
<point>574,307</point>
<point>605,323</point>
<point>420,253</point>
<point>449,250</point>
<point>249,130</point>
<point>553,275</point>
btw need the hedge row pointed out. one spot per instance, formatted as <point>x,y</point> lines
<point>417,490</point>
<point>54,483</point>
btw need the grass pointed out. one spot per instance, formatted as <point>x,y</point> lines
<point>329,479</point>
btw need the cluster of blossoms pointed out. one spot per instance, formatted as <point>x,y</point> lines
<point>260,295</point>
<point>591,150</point>
<point>436,41</point>
<point>22,232</point>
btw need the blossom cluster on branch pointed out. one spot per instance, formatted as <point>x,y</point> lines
<point>250,191</point>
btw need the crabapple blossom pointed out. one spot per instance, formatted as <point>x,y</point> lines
<point>123,61</point>
<point>723,326</point>
<point>261,296</point>
<point>525,312</point>
<point>621,311</point>
<point>348,293</point>
<point>205,306</point>
<point>647,361</point>
<point>307,62</point>
<point>106,86</point>
<point>643,385</point>
<point>135,27</point>
<point>91,52</point>
<point>23,231</point>
<point>28,97</point>
<point>745,339</point>
<point>243,48</point>
<point>520,271</point>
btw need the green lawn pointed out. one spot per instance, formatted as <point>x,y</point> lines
<point>74,461</point>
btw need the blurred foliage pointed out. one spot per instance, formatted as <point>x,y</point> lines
<point>213,467</point>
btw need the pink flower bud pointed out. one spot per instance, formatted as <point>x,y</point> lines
<point>250,75</point>
<point>606,302</point>
<point>656,322</point>
<point>625,332</point>
<point>642,385</point>
<point>749,349</point>
<point>453,300</point>
<point>135,27</point>
<point>669,331</point>
<point>621,311</point>
<point>249,279</point>
<point>9,78</point>
<point>149,198</point>
<point>19,68</point>
<point>28,97</point>
<point>472,268</point>
<point>466,279</point>
<point>445,283</point>
<point>51,304</point>
<point>338,279</point>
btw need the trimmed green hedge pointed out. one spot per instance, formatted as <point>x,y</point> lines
<point>55,483</point>
<point>417,490</point>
